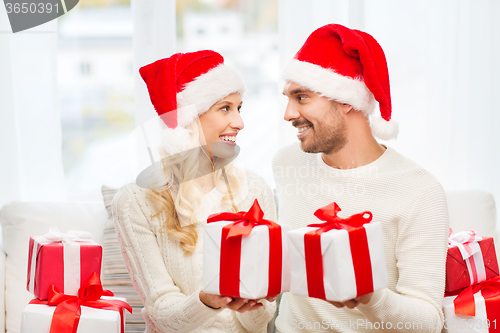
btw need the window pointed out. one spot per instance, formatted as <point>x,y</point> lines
<point>245,32</point>
<point>96,100</point>
<point>84,68</point>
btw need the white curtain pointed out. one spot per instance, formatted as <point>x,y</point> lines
<point>30,129</point>
<point>444,68</point>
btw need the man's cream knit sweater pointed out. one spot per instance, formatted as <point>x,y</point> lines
<point>410,204</point>
<point>168,281</point>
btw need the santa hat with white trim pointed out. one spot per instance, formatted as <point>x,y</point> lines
<point>348,66</point>
<point>183,87</point>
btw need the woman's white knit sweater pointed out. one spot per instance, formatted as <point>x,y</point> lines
<point>168,281</point>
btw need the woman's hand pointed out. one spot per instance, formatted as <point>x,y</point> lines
<point>236,304</point>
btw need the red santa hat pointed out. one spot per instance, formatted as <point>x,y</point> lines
<point>348,66</point>
<point>183,87</point>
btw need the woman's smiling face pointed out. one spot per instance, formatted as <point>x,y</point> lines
<point>221,123</point>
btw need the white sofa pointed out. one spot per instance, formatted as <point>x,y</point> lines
<point>468,210</point>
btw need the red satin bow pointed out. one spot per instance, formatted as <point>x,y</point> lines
<point>68,308</point>
<point>244,222</point>
<point>358,242</point>
<point>332,221</point>
<point>490,289</point>
<point>230,257</point>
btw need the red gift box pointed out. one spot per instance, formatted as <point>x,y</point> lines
<point>471,259</point>
<point>62,260</point>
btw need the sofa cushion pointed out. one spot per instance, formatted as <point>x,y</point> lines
<point>472,210</point>
<point>20,220</point>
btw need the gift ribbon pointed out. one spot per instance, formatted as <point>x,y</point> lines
<point>490,290</point>
<point>71,256</point>
<point>467,243</point>
<point>230,258</point>
<point>68,308</point>
<point>54,235</point>
<point>358,243</point>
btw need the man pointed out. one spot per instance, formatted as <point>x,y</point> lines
<point>332,84</point>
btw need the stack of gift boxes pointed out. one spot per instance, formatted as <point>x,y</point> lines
<point>472,293</point>
<point>63,275</point>
<point>248,256</point>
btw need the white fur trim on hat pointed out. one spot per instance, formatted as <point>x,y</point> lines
<point>176,140</point>
<point>340,88</point>
<point>384,130</point>
<point>209,88</point>
<point>186,115</point>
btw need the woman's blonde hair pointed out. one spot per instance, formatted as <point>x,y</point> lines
<point>181,202</point>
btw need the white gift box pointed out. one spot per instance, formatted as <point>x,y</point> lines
<point>338,270</point>
<point>37,318</point>
<point>466,324</point>
<point>254,265</point>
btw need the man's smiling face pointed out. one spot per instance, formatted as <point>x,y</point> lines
<point>319,121</point>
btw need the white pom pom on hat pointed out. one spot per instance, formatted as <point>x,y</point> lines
<point>383,129</point>
<point>348,66</point>
<point>183,87</point>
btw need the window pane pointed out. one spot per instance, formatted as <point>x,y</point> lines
<point>95,58</point>
<point>245,32</point>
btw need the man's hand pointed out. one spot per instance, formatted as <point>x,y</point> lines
<point>236,304</point>
<point>352,303</point>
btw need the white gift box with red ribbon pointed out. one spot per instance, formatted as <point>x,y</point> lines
<point>37,318</point>
<point>250,264</point>
<point>63,313</point>
<point>476,309</point>
<point>465,324</point>
<point>339,264</point>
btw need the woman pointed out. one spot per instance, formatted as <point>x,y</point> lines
<point>160,230</point>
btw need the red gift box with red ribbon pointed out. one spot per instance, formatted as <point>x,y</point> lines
<point>475,309</point>
<point>471,259</point>
<point>339,259</point>
<point>245,255</point>
<point>88,312</point>
<point>64,260</point>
